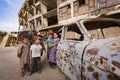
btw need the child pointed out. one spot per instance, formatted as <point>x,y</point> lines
<point>50,41</point>
<point>23,54</point>
<point>41,43</point>
<point>35,55</point>
<point>52,58</point>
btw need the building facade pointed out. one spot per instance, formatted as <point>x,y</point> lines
<point>72,10</point>
<point>33,14</point>
<point>45,14</point>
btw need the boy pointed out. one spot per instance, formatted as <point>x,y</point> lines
<point>35,56</point>
<point>41,43</point>
<point>23,54</point>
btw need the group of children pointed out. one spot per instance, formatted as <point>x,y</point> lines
<point>30,55</point>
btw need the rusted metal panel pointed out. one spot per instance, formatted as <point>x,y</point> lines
<point>103,57</point>
<point>95,60</point>
<point>69,58</point>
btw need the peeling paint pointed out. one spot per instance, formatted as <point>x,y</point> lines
<point>91,60</point>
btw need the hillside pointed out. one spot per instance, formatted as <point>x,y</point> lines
<point>2,34</point>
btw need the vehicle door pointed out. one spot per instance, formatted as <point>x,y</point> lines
<point>102,55</point>
<point>70,50</point>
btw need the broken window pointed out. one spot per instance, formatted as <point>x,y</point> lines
<point>52,20</point>
<point>73,33</point>
<point>32,24</point>
<point>31,13</point>
<point>38,9</point>
<point>81,2</point>
<point>102,29</point>
<point>39,22</point>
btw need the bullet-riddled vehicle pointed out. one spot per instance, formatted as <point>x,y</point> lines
<point>90,49</point>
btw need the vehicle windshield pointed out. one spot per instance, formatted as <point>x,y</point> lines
<point>73,33</point>
<point>102,29</point>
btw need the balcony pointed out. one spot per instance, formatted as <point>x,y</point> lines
<point>50,13</point>
<point>50,4</point>
<point>38,9</point>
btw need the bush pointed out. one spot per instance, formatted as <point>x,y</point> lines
<point>2,34</point>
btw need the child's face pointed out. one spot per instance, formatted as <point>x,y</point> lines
<point>50,36</point>
<point>55,35</point>
<point>39,37</point>
<point>37,41</point>
<point>20,41</point>
<point>25,40</point>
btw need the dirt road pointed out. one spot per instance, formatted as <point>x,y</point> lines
<point>9,68</point>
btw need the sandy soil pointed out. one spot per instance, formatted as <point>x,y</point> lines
<point>9,68</point>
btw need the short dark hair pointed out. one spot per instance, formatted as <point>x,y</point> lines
<point>25,37</point>
<point>50,34</point>
<point>57,34</point>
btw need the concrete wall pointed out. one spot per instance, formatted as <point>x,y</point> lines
<point>71,10</point>
<point>32,14</point>
<point>67,11</point>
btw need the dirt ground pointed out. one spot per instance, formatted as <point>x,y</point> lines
<point>9,68</point>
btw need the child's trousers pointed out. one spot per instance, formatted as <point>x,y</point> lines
<point>35,63</point>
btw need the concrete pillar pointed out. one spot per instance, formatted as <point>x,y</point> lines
<point>34,9</point>
<point>58,11</point>
<point>72,9</point>
<point>28,25</point>
<point>97,6</point>
<point>35,22</point>
<point>44,10</point>
<point>19,28</point>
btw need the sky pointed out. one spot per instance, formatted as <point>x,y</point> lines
<point>9,14</point>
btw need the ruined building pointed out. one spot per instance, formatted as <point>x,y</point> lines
<point>42,15</point>
<point>36,14</point>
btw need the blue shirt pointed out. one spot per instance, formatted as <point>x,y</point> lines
<point>50,41</point>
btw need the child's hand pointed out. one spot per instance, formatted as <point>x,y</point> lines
<point>53,44</point>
